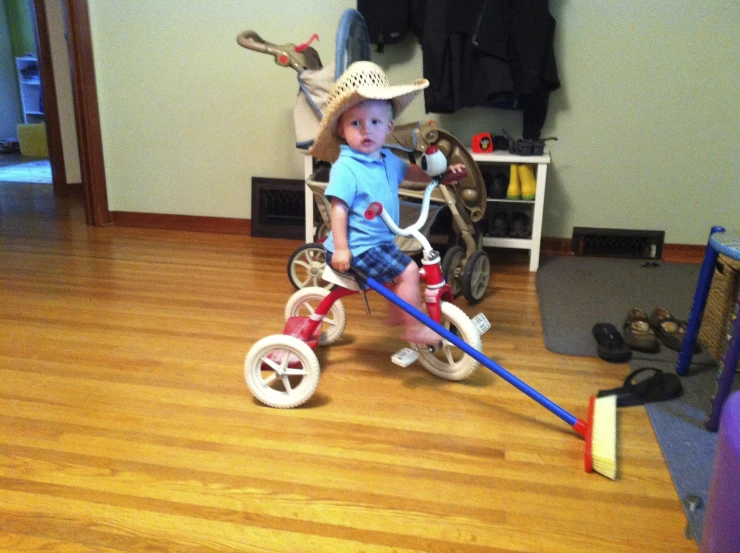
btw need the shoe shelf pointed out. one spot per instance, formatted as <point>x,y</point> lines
<point>30,89</point>
<point>534,208</point>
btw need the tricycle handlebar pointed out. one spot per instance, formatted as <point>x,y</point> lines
<point>376,208</point>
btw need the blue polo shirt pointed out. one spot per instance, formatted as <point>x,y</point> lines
<point>360,180</point>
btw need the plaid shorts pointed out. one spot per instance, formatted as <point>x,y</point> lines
<point>383,263</point>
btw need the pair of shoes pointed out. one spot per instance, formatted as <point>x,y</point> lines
<point>638,333</point>
<point>670,330</point>
<point>659,386</point>
<point>610,344</point>
<point>522,184</point>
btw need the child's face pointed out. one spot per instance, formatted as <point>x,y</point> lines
<point>366,126</point>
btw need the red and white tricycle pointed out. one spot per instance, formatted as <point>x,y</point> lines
<point>283,371</point>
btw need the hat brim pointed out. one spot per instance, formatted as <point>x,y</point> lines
<point>326,145</point>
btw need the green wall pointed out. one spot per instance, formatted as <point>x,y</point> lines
<point>647,116</point>
<point>20,23</point>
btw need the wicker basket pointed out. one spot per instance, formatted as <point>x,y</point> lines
<point>723,294</point>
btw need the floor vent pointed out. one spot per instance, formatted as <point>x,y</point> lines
<point>278,208</point>
<point>608,242</point>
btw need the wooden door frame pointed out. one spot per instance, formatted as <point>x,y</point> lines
<point>49,96</point>
<point>87,115</point>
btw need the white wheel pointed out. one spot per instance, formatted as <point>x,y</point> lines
<point>281,371</point>
<point>450,362</point>
<point>304,302</point>
<point>306,266</point>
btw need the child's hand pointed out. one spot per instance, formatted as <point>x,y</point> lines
<point>455,173</point>
<point>340,260</point>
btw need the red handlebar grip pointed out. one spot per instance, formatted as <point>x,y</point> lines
<point>373,210</point>
<point>454,177</point>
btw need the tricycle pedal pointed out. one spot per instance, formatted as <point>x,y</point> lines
<point>404,357</point>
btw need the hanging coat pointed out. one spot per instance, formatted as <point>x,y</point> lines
<point>495,53</point>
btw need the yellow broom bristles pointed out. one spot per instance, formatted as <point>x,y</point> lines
<point>604,436</point>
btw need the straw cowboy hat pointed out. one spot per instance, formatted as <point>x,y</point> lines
<point>363,80</point>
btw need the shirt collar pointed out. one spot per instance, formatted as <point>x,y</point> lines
<point>346,151</point>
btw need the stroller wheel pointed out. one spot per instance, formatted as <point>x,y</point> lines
<point>452,268</point>
<point>306,266</point>
<point>476,276</point>
<point>281,371</point>
<point>449,362</point>
<point>322,231</point>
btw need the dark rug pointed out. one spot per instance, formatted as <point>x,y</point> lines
<point>577,292</point>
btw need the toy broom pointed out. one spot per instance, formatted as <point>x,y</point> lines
<point>600,428</point>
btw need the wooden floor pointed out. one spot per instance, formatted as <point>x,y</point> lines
<point>127,425</point>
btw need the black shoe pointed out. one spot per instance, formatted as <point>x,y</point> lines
<point>500,224</point>
<point>499,186</point>
<point>610,344</point>
<point>659,386</point>
<point>521,225</point>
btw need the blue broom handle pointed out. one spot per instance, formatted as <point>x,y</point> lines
<point>472,352</point>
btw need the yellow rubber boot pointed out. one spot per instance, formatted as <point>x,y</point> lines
<point>527,182</point>
<point>514,192</point>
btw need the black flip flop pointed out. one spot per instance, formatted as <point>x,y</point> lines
<point>611,346</point>
<point>659,386</point>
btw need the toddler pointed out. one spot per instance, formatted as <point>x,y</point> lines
<point>359,116</point>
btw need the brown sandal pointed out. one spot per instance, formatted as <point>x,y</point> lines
<point>638,334</point>
<point>670,330</point>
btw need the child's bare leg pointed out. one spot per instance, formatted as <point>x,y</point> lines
<point>395,316</point>
<point>407,288</point>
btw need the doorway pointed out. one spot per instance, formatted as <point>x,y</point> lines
<point>84,93</point>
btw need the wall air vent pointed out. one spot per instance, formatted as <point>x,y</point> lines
<point>608,242</point>
<point>278,208</point>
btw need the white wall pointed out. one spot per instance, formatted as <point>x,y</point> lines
<point>10,102</point>
<point>647,118</point>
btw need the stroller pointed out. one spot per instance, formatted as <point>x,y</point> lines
<point>465,265</point>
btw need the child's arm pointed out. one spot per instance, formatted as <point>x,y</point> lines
<point>339,217</point>
<point>414,173</point>
<point>454,169</point>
